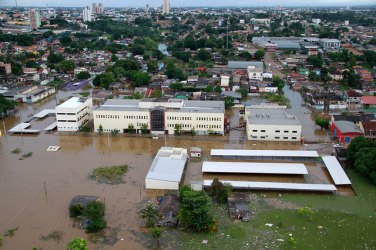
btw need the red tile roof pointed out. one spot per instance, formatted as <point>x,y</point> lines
<point>369,100</point>
<point>369,126</point>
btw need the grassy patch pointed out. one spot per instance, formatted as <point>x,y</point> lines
<point>296,221</point>
<point>84,94</point>
<point>16,151</point>
<point>276,98</point>
<point>109,175</point>
<point>27,155</point>
<point>55,235</point>
<point>11,232</point>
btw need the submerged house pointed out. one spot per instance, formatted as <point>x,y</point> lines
<point>168,209</point>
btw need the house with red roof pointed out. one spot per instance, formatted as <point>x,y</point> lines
<point>369,129</point>
<point>345,131</point>
<point>368,102</point>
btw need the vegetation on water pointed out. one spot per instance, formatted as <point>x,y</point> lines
<point>323,122</point>
<point>16,151</point>
<point>156,233</point>
<point>93,212</point>
<point>84,94</point>
<point>109,175</point>
<point>150,213</point>
<point>85,128</point>
<point>55,235</point>
<point>278,98</point>
<point>11,232</point>
<point>27,155</point>
<point>6,105</point>
<point>361,154</point>
<point>77,244</point>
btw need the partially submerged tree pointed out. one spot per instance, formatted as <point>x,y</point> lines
<point>150,213</point>
<point>322,122</point>
<point>156,233</point>
<point>77,244</point>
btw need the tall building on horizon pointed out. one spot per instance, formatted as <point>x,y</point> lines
<point>147,8</point>
<point>34,16</point>
<point>94,8</point>
<point>166,7</point>
<point>86,14</point>
<point>100,8</point>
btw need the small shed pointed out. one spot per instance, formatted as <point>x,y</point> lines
<point>196,152</point>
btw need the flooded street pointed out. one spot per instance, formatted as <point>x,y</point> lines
<point>35,192</point>
<point>310,131</point>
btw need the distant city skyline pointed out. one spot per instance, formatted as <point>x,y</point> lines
<point>188,3</point>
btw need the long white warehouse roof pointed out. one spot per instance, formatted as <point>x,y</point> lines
<point>267,153</point>
<point>277,186</point>
<point>44,113</point>
<point>336,171</point>
<point>253,168</point>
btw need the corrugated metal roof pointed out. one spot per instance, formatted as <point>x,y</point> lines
<point>244,64</point>
<point>347,127</point>
<point>270,153</point>
<point>336,171</point>
<point>253,168</point>
<point>277,186</point>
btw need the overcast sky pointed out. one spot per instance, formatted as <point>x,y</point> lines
<point>186,3</point>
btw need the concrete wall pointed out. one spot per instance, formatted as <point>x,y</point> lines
<point>159,184</point>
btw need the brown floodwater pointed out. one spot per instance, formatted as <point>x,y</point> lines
<point>35,192</point>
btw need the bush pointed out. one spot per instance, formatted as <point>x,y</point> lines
<point>96,225</point>
<point>76,210</point>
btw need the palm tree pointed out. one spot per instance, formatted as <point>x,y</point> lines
<point>150,213</point>
<point>156,233</point>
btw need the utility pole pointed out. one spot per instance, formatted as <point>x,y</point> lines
<point>5,131</point>
<point>228,19</point>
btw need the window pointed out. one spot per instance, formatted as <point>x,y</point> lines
<point>285,138</point>
<point>254,137</point>
<point>255,130</point>
<point>294,132</point>
<point>263,130</point>
<point>262,137</point>
<point>286,131</point>
<point>277,137</point>
<point>278,131</point>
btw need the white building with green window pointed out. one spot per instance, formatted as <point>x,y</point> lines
<point>161,116</point>
<point>272,123</point>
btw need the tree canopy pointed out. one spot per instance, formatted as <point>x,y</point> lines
<point>194,211</point>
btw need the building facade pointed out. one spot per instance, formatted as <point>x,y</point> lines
<point>161,116</point>
<point>272,124</point>
<point>86,14</point>
<point>74,113</point>
<point>166,7</point>
<point>34,16</point>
